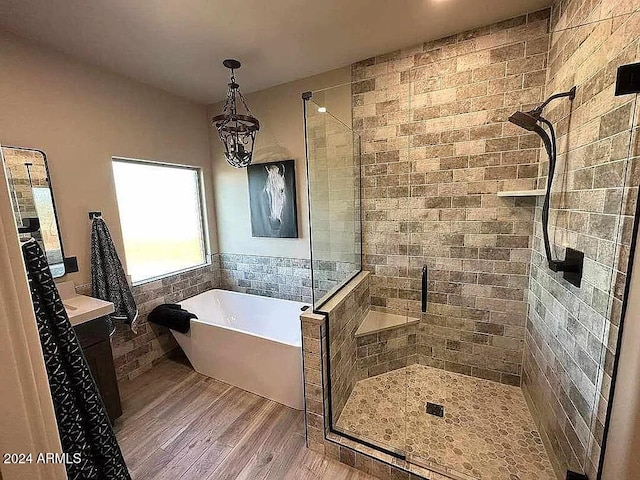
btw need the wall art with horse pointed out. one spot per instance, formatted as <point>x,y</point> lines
<point>272,198</point>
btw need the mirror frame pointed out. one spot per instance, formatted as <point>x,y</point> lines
<point>53,199</point>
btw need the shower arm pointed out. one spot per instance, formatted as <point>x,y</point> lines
<point>538,110</point>
<point>567,265</point>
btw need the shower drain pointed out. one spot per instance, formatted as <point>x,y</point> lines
<point>434,409</point>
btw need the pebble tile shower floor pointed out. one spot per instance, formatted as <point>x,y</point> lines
<point>487,431</point>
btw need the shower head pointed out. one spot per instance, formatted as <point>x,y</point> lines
<point>526,120</point>
<point>529,120</point>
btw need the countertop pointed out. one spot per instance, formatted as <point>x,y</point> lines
<point>82,308</point>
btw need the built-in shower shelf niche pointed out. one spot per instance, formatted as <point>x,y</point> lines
<point>522,193</point>
<point>375,322</point>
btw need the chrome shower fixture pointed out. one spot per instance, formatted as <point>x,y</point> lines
<point>533,121</point>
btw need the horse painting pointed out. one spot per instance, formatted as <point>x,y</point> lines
<point>272,198</point>
<point>274,189</point>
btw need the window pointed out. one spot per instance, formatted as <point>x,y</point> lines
<point>161,217</point>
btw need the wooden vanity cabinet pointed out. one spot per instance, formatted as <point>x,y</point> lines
<point>96,346</point>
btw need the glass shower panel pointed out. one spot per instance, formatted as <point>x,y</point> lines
<point>333,170</point>
<point>368,349</point>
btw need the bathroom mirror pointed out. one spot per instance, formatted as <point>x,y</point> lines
<point>32,202</point>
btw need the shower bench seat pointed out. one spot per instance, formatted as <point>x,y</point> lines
<point>375,322</point>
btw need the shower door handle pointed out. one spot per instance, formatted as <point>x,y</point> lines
<point>425,279</point>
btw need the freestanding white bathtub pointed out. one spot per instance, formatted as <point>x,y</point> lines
<point>251,342</point>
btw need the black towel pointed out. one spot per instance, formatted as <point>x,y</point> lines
<point>172,316</point>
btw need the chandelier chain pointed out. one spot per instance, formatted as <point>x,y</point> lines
<point>244,102</point>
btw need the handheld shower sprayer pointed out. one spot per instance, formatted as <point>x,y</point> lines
<point>531,121</point>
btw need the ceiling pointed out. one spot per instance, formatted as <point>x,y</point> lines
<point>178,45</point>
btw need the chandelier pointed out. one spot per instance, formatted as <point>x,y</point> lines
<point>237,131</point>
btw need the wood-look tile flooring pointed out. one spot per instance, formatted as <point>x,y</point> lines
<point>178,424</point>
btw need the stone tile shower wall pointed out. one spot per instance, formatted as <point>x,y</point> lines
<point>437,148</point>
<point>382,352</point>
<point>571,334</point>
<point>345,315</point>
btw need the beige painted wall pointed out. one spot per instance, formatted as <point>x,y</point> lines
<point>281,136</point>
<point>82,116</point>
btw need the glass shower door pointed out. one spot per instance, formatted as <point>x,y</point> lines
<point>389,350</point>
<point>435,226</point>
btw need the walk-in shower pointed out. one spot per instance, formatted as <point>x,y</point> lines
<point>503,369</point>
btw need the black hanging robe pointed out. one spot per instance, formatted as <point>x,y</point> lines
<point>83,423</point>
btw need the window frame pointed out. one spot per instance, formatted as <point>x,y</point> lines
<point>202,213</point>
